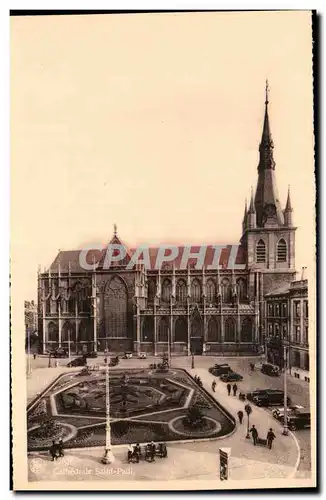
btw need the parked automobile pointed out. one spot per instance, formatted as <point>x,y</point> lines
<point>271,370</point>
<point>77,362</point>
<point>278,413</point>
<point>91,354</point>
<point>127,355</point>
<point>142,355</point>
<point>60,353</point>
<point>231,377</point>
<point>271,398</point>
<point>218,370</point>
<point>299,419</point>
<point>257,392</point>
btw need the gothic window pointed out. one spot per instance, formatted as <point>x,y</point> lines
<point>196,328</point>
<point>297,334</point>
<point>246,330</point>
<point>163,330</point>
<point>214,330</point>
<point>306,309</point>
<point>181,291</point>
<point>284,310</point>
<point>181,330</point>
<point>242,289</point>
<point>284,332</point>
<point>68,332</point>
<point>83,331</point>
<point>116,308</point>
<point>277,310</point>
<point>281,251</point>
<point>226,291</point>
<point>195,291</point>
<point>148,329</point>
<point>261,251</point>
<point>270,329</point>
<point>151,290</point>
<point>53,332</point>
<point>229,330</point>
<point>211,291</point>
<point>166,290</point>
<point>297,309</point>
<point>270,309</point>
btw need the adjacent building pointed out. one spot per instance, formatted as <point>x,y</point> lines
<point>183,309</point>
<point>287,320</point>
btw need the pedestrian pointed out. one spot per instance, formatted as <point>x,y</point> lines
<point>229,389</point>
<point>34,355</point>
<point>53,451</point>
<point>254,434</point>
<point>235,388</point>
<point>130,453</point>
<point>153,450</point>
<point>240,416</point>
<point>213,385</point>
<point>60,448</point>
<point>270,438</point>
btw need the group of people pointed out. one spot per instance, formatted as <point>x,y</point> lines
<point>269,438</point>
<point>56,449</point>
<point>135,452</point>
<point>234,387</point>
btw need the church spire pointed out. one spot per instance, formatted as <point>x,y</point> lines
<point>288,211</point>
<point>266,146</point>
<point>245,216</point>
<point>267,204</point>
<point>288,207</point>
<point>251,212</point>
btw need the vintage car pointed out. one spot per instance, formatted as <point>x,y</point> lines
<point>142,355</point>
<point>59,353</point>
<point>218,370</point>
<point>127,355</point>
<point>299,419</point>
<point>271,370</point>
<point>231,377</point>
<point>77,362</point>
<point>278,413</point>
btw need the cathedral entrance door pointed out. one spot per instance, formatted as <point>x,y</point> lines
<point>196,345</point>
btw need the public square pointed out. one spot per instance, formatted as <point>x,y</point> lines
<point>193,457</point>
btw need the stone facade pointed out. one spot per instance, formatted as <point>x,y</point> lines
<point>179,309</point>
<point>287,319</point>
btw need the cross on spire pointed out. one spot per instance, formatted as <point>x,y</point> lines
<point>266,92</point>
<point>115,229</point>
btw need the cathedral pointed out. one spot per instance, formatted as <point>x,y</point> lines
<point>177,310</point>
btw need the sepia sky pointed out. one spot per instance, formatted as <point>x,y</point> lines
<point>153,122</point>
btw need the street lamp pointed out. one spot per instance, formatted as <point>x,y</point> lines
<point>248,411</point>
<point>192,360</point>
<point>285,355</point>
<point>69,344</point>
<point>108,457</point>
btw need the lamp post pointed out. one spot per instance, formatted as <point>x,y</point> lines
<point>108,457</point>
<point>285,353</point>
<point>69,356</point>
<point>248,411</point>
<point>192,360</point>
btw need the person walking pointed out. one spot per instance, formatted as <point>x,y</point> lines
<point>213,385</point>
<point>270,438</point>
<point>130,453</point>
<point>254,434</point>
<point>240,416</point>
<point>60,448</point>
<point>53,451</point>
<point>235,388</point>
<point>229,389</point>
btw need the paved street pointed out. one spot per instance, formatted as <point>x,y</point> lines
<point>298,390</point>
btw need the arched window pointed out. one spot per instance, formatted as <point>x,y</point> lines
<point>281,251</point>
<point>261,251</point>
<point>83,331</point>
<point>116,308</point>
<point>211,291</point>
<point>181,291</point>
<point>163,330</point>
<point>195,291</point>
<point>53,332</point>
<point>246,330</point>
<point>166,290</point>
<point>229,330</point>
<point>226,291</point>
<point>148,329</point>
<point>151,290</point>
<point>196,328</point>
<point>242,289</point>
<point>68,332</point>
<point>213,330</point>
<point>181,330</point>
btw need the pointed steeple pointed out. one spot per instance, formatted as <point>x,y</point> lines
<point>288,211</point>
<point>267,205</point>
<point>252,205</point>
<point>266,146</point>
<point>251,218</point>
